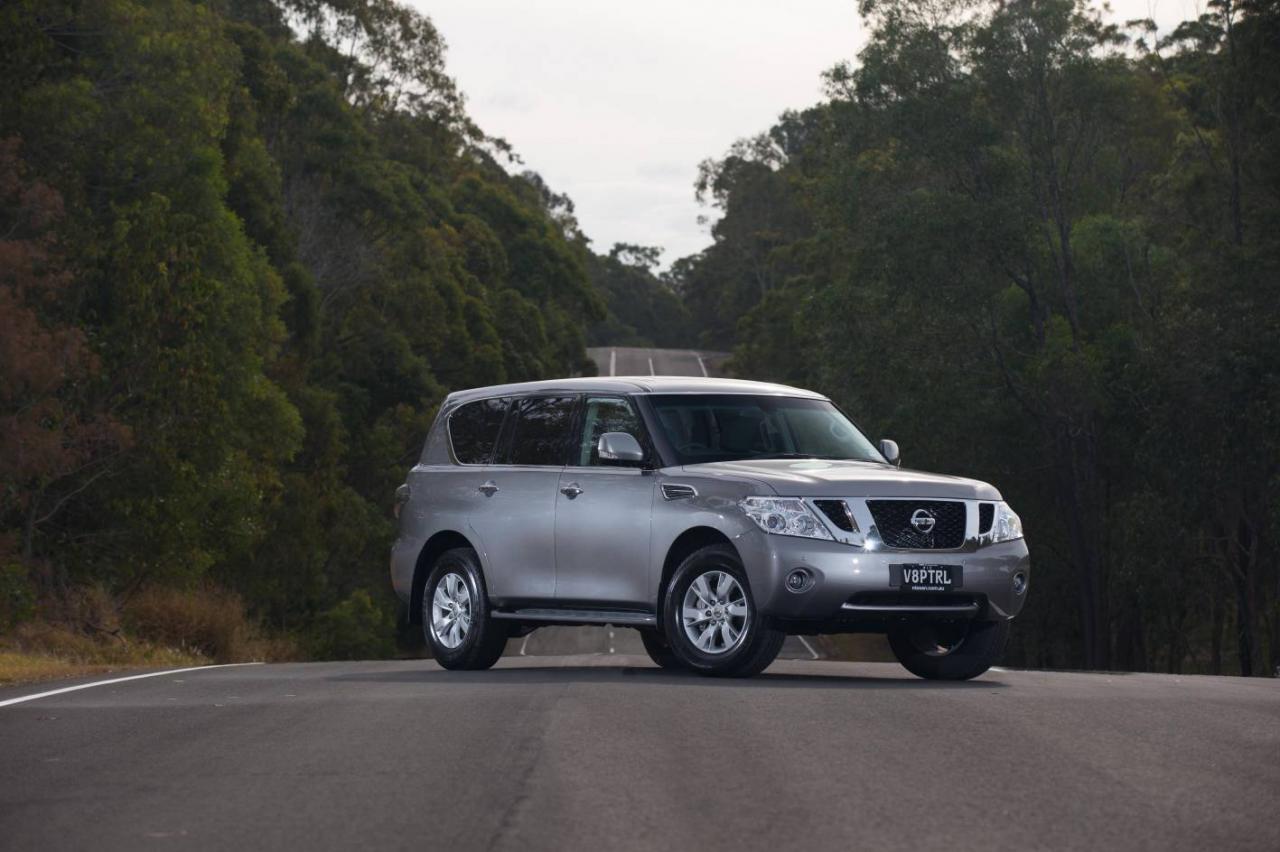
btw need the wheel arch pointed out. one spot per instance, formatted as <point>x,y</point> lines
<point>431,550</point>
<point>692,539</point>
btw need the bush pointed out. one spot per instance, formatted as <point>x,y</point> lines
<point>355,629</point>
<point>207,621</point>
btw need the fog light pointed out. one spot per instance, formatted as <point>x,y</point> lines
<point>1019,583</point>
<point>799,580</point>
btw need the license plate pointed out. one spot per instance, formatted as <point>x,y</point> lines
<point>926,578</point>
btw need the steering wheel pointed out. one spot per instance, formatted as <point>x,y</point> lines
<point>693,447</point>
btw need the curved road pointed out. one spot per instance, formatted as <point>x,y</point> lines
<point>606,752</point>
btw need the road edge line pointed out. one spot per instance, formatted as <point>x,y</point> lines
<point>25,698</point>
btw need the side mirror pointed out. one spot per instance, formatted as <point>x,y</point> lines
<point>889,449</point>
<point>619,447</point>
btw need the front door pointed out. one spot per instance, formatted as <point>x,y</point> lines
<point>602,515</point>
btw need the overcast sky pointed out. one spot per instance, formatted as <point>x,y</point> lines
<point>615,103</point>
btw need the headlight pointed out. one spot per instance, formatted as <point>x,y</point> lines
<point>1007,525</point>
<point>784,516</point>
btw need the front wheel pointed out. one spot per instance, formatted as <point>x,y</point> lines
<point>455,613</point>
<point>941,651</point>
<point>710,620</point>
<point>656,646</point>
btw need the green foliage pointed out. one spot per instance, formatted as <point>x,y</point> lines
<point>1037,251</point>
<point>272,257</point>
<point>356,628</point>
<point>643,307</point>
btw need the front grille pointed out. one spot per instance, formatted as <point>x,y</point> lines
<point>894,521</point>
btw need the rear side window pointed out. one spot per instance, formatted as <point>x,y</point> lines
<point>474,428</point>
<point>542,430</point>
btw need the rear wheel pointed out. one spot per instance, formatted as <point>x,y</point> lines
<point>656,646</point>
<point>710,620</point>
<point>455,613</point>
<point>942,651</point>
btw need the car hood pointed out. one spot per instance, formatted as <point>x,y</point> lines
<point>822,478</point>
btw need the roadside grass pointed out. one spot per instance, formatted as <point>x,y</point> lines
<point>156,628</point>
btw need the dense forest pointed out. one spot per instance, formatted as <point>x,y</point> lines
<point>247,246</point>
<point>1044,250</point>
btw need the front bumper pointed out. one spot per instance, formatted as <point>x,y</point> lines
<point>851,584</point>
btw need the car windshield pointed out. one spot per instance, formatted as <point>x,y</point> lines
<point>732,427</point>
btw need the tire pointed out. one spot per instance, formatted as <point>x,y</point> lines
<point>922,648</point>
<point>741,653</point>
<point>655,645</point>
<point>461,634</point>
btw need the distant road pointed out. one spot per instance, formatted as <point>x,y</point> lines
<point>629,361</point>
<point>610,753</point>
<point>553,641</point>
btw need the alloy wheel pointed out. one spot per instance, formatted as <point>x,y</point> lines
<point>451,611</point>
<point>715,612</point>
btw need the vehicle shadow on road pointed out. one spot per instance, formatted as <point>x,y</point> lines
<point>533,675</point>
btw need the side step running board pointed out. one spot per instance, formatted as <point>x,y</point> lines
<point>620,618</point>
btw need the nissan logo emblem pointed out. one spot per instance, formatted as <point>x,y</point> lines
<point>923,520</point>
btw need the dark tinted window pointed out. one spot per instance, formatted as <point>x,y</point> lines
<point>605,414</point>
<point>719,427</point>
<point>542,430</point>
<point>474,429</point>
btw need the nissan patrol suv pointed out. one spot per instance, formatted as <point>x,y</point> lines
<point>714,516</point>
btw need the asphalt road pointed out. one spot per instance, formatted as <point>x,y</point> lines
<point>606,752</point>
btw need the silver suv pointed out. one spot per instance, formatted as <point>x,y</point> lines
<point>714,516</point>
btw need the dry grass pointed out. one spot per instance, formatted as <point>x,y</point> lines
<point>158,628</point>
<point>39,651</point>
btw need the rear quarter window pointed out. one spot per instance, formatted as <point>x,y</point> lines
<point>474,430</point>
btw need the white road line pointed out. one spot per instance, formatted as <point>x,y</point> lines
<point>702,364</point>
<point>808,647</point>
<point>525,643</point>
<point>613,362</point>
<point>651,372</point>
<point>24,698</point>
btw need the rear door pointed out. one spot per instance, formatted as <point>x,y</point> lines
<point>603,513</point>
<point>518,525</point>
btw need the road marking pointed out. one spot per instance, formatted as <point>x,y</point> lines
<point>613,362</point>
<point>808,647</point>
<point>24,698</point>
<point>702,364</point>
<point>525,643</point>
<point>651,372</point>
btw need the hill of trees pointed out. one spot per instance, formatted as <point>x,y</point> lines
<point>1043,250</point>
<point>245,249</point>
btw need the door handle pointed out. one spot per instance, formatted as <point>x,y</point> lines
<point>571,490</point>
<point>489,488</point>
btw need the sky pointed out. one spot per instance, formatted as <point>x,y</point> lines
<point>615,103</point>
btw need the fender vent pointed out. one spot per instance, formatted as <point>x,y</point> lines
<point>676,491</point>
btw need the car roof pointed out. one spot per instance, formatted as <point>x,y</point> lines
<point>632,385</point>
